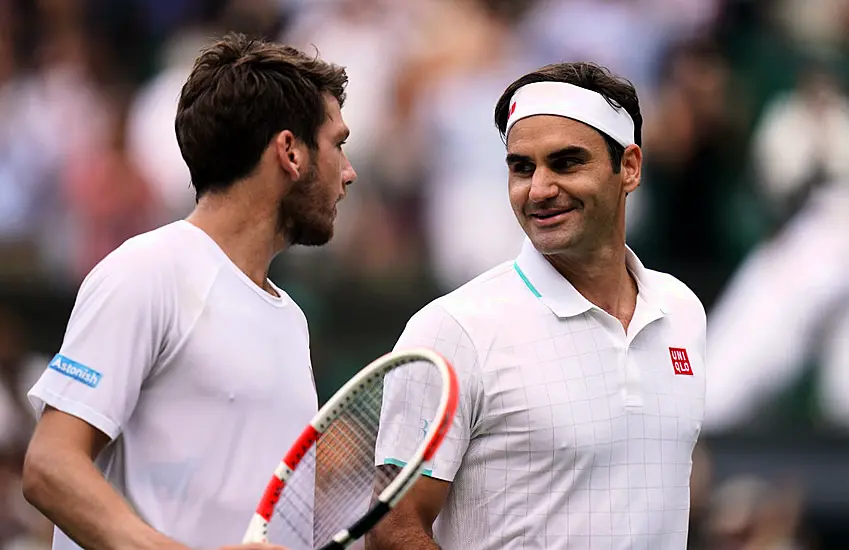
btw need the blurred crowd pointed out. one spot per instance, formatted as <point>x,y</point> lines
<point>745,193</point>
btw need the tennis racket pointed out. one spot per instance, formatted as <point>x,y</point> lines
<point>327,492</point>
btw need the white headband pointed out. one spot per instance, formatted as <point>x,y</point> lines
<point>567,100</point>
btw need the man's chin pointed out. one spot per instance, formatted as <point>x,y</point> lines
<point>552,243</point>
<point>314,237</point>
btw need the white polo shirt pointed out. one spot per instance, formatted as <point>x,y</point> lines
<point>570,433</point>
<point>201,379</point>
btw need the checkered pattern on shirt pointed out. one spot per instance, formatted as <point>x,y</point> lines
<point>550,448</point>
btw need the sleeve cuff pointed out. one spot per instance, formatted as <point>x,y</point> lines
<point>39,398</point>
<point>426,472</point>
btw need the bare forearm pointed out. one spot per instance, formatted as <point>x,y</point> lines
<point>409,526</point>
<point>401,541</point>
<point>399,535</point>
<point>71,492</point>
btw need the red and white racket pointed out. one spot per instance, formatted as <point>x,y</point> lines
<point>327,492</point>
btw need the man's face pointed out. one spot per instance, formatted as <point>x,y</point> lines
<point>307,213</point>
<point>561,183</point>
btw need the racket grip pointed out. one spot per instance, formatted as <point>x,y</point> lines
<point>257,531</point>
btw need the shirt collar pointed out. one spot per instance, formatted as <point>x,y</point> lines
<point>556,292</point>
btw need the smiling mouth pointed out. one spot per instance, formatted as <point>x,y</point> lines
<point>547,215</point>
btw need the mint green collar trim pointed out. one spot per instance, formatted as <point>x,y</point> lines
<point>528,284</point>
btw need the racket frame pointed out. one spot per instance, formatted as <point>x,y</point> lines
<point>374,372</point>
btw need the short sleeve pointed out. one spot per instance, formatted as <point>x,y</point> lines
<point>411,395</point>
<point>112,341</point>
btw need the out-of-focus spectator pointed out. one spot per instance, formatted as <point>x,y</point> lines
<point>776,318</point>
<point>371,39</point>
<point>693,142</point>
<point>20,524</point>
<point>627,36</point>
<point>447,95</point>
<point>19,368</point>
<point>50,108</point>
<point>55,111</point>
<point>781,313</point>
<point>747,513</point>
<point>820,26</point>
<point>151,139</point>
<point>108,197</point>
<point>701,487</point>
<point>802,142</point>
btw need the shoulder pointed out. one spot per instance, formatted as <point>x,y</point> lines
<point>143,254</point>
<point>476,309</point>
<point>678,298</point>
<point>170,258</point>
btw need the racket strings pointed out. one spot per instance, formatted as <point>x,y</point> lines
<point>334,484</point>
<point>294,512</point>
<point>355,479</point>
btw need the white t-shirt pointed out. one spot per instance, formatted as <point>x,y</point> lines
<point>200,377</point>
<point>570,434</point>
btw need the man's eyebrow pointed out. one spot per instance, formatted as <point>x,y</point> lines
<point>573,151</point>
<point>514,158</point>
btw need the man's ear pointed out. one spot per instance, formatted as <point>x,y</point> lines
<point>291,153</point>
<point>632,166</point>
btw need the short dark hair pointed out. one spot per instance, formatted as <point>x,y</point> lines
<point>618,91</point>
<point>240,94</point>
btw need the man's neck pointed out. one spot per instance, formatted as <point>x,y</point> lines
<point>247,233</point>
<point>602,277</point>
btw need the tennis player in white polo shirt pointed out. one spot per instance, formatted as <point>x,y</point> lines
<point>582,371</point>
<point>185,374</point>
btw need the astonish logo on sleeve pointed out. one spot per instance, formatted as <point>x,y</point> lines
<point>77,371</point>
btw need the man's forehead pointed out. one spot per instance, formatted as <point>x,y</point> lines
<point>332,109</point>
<point>337,126</point>
<point>334,123</point>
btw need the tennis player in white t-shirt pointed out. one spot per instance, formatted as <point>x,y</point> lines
<point>185,374</point>
<point>582,372</point>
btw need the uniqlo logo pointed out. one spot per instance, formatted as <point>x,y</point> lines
<point>680,361</point>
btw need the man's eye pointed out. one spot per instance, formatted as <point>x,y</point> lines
<point>522,168</point>
<point>563,165</point>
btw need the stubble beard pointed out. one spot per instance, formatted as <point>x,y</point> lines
<point>302,217</point>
